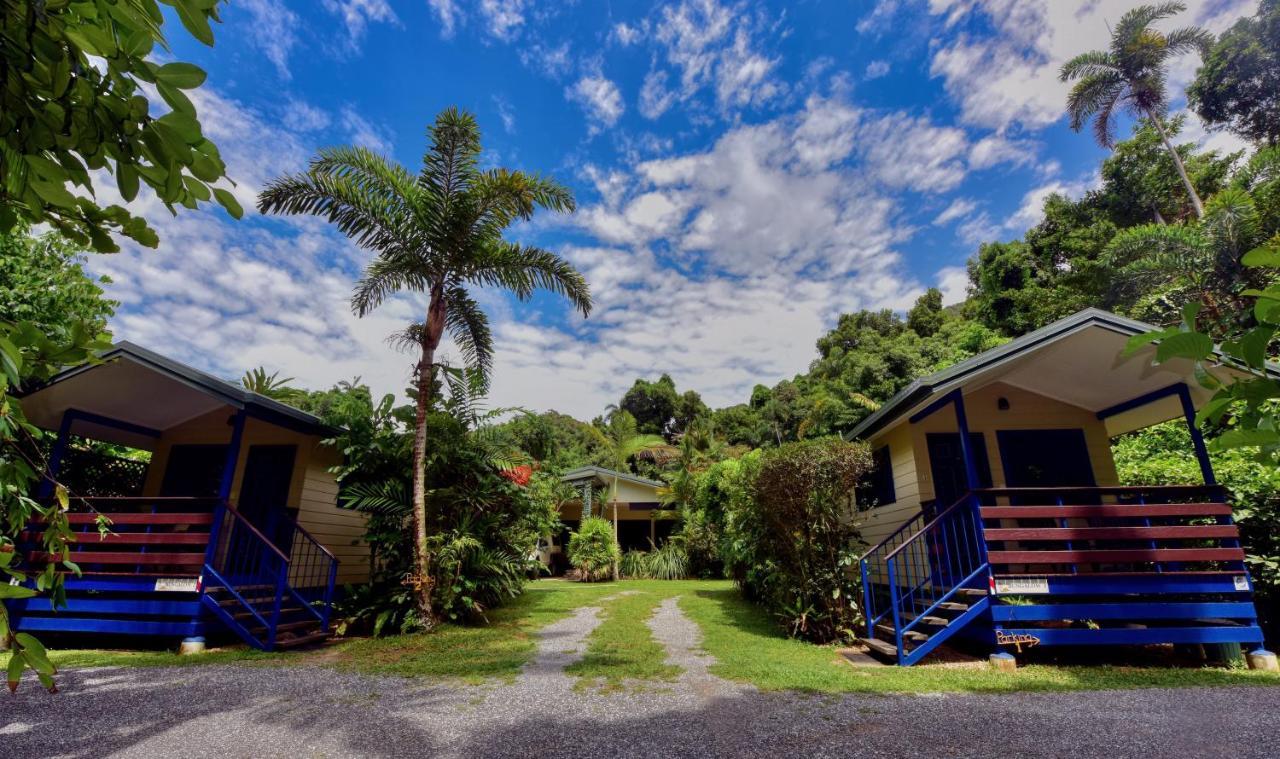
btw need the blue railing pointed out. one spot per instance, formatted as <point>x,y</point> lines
<point>251,582</point>
<point>925,564</point>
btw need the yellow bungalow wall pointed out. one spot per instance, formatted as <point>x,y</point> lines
<point>908,449</point>
<point>313,490</point>
<point>626,494</point>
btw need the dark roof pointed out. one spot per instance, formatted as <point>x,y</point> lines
<point>230,393</point>
<point>591,472</point>
<point>925,387</point>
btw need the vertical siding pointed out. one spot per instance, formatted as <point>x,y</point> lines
<point>340,530</point>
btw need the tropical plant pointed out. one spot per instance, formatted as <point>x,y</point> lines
<point>437,233</point>
<point>669,561</point>
<point>1130,75</point>
<point>619,443</point>
<point>1200,261</point>
<point>1239,84</point>
<point>72,104</point>
<point>43,281</point>
<point>593,551</point>
<point>791,541</point>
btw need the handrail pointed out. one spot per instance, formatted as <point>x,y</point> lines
<point>918,515</point>
<point>312,538</point>
<point>945,513</point>
<point>1101,489</point>
<point>231,589</point>
<point>255,531</point>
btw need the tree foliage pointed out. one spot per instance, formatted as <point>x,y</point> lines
<point>74,85</point>
<point>43,281</point>
<point>593,551</point>
<point>1238,86</point>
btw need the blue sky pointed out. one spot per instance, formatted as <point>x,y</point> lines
<point>745,172</point>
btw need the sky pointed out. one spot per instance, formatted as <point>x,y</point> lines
<point>744,172</point>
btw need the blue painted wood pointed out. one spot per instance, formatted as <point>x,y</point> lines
<point>141,607</point>
<point>1141,400</point>
<point>932,407</point>
<point>976,609</point>
<point>60,623</point>
<point>966,445</point>
<point>232,623</point>
<point>106,421</point>
<point>55,456</point>
<point>1132,611</point>
<point>1168,582</point>
<point>1141,636</point>
<point>123,583</point>
<point>233,456</point>
<point>1183,392</point>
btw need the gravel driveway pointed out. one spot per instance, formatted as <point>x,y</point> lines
<point>232,711</point>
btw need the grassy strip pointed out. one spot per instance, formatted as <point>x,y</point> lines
<point>471,653</point>
<point>622,647</point>
<point>67,658</point>
<point>748,647</point>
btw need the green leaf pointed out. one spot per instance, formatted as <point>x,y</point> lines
<point>1247,438</point>
<point>1253,346</point>
<point>184,76</point>
<point>127,180</point>
<point>1192,345</point>
<point>176,99</point>
<point>16,664</point>
<point>53,193</point>
<point>1138,342</point>
<point>229,202</point>
<point>194,20</point>
<point>1189,314</point>
<point>1265,256</point>
<point>15,591</point>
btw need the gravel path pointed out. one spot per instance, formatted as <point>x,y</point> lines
<point>230,711</point>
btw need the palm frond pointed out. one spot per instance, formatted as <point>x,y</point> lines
<point>1135,21</point>
<point>1188,39</point>
<point>1089,64</point>
<point>1092,95</point>
<point>387,275</point>
<point>372,220</point>
<point>523,269</point>
<point>449,165</point>
<point>385,498</point>
<point>469,327</point>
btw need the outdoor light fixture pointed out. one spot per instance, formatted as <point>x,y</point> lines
<point>1003,404</point>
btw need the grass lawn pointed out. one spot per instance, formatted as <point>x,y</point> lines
<point>746,643</point>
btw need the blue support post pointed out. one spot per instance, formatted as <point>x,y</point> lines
<point>893,605</point>
<point>233,456</point>
<point>966,452</point>
<point>56,455</point>
<point>867,611</point>
<point>1197,439</point>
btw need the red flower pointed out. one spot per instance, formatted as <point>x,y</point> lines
<point>520,475</point>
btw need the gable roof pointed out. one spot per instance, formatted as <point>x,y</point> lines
<point>930,385</point>
<point>228,393</point>
<point>607,475</point>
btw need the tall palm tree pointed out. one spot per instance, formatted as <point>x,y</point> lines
<point>437,234</point>
<point>620,442</point>
<point>1130,76</point>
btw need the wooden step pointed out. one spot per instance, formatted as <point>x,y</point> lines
<point>930,620</point>
<point>953,606</point>
<point>286,627</point>
<point>266,613</point>
<point>913,635</point>
<point>303,640</point>
<point>1105,511</point>
<point>972,592</point>
<point>1116,556</point>
<point>879,646</point>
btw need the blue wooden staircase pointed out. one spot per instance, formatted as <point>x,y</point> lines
<point>168,564</point>
<point>1020,567</point>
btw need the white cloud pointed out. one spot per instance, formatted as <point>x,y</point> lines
<point>505,113</point>
<point>356,16</point>
<point>879,17</point>
<point>911,152</point>
<point>1012,76</point>
<point>272,28</point>
<point>449,14</point>
<point>876,69</point>
<point>364,133</point>
<point>554,62</point>
<point>599,98</point>
<point>655,97</point>
<point>503,18</point>
<point>996,149</point>
<point>953,281</point>
<point>1221,140</point>
<point>1031,210</point>
<point>301,116</point>
<point>627,34</point>
<point>958,208</point>
<point>716,46</point>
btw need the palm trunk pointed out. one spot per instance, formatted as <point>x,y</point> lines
<point>1177,163</point>
<point>431,333</point>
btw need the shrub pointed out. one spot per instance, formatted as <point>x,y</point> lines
<point>670,562</point>
<point>592,549</point>
<point>701,538</point>
<point>791,545</point>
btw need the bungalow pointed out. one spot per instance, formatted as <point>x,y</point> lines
<point>231,522</point>
<point>632,503</point>
<point>995,509</point>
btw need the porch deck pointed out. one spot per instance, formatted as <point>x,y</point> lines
<point>1063,566</point>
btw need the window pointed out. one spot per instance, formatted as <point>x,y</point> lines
<point>877,489</point>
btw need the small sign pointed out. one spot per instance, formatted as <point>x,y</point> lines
<point>1242,582</point>
<point>176,585</point>
<point>1021,585</point>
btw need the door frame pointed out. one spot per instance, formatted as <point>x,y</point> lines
<point>1002,436</point>
<point>981,463</point>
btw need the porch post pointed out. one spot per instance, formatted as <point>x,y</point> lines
<point>586,502</point>
<point>233,456</point>
<point>56,454</point>
<point>962,424</point>
<point>1197,439</point>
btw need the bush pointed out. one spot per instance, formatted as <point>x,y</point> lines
<point>670,562</point>
<point>791,545</point>
<point>592,549</point>
<point>701,538</point>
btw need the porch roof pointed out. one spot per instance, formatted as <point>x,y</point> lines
<point>1077,360</point>
<point>133,394</point>
<point>602,476</point>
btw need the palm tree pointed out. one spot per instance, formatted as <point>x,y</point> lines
<point>1130,75</point>
<point>437,234</point>
<point>620,442</point>
<point>1201,261</point>
<point>271,385</point>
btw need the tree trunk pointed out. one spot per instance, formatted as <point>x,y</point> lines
<point>1177,163</point>
<point>432,331</point>
<point>1156,212</point>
